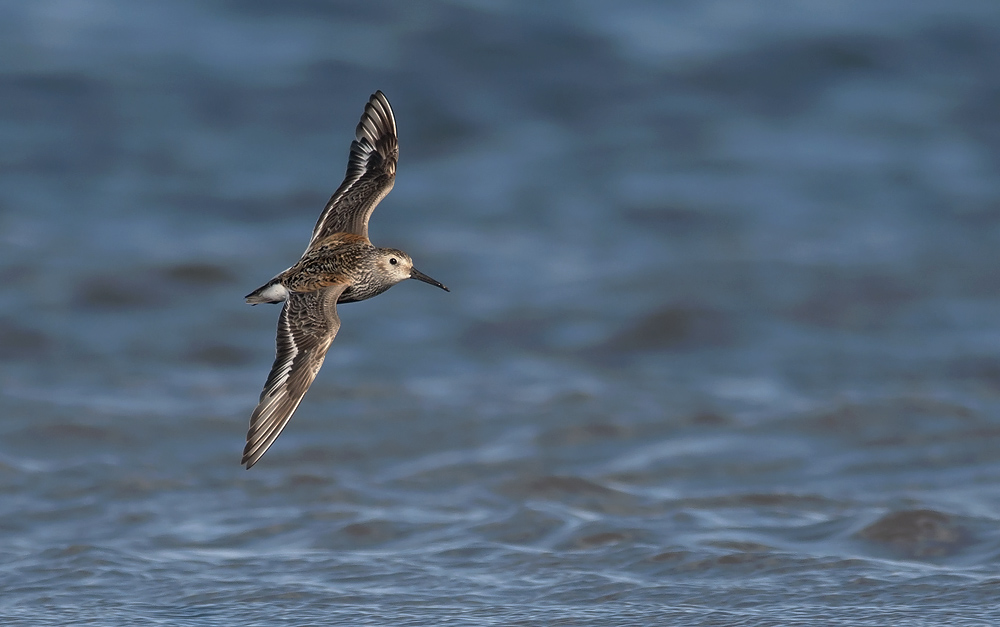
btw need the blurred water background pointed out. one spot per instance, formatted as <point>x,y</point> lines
<point>722,347</point>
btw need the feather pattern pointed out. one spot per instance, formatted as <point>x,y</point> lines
<point>371,172</point>
<point>306,328</point>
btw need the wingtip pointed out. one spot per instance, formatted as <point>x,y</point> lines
<point>377,120</point>
<point>250,457</point>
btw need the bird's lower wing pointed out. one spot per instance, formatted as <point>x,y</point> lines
<point>306,328</point>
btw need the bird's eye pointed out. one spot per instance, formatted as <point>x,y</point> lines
<point>392,260</point>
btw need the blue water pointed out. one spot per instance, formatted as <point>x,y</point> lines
<point>722,347</point>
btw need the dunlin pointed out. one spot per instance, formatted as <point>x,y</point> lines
<point>340,265</point>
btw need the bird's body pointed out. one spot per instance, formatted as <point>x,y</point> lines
<point>340,265</point>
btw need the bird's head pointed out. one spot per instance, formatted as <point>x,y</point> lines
<point>397,266</point>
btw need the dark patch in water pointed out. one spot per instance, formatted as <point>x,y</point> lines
<point>601,539</point>
<point>583,434</point>
<point>199,274</point>
<point>708,419</point>
<point>982,369</point>
<point>782,79</point>
<point>555,485</point>
<point>76,432</point>
<point>112,293</point>
<point>865,303</point>
<point>920,533</point>
<point>674,328</point>
<point>670,556</point>
<point>895,421</point>
<point>303,480</point>
<point>745,547</point>
<point>679,221</point>
<point>577,491</point>
<point>220,355</point>
<point>524,332</point>
<point>524,526</point>
<point>18,342</point>
<point>244,209</point>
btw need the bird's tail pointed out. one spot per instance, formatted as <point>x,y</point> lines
<point>271,292</point>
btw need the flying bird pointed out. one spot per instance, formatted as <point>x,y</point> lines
<point>340,265</point>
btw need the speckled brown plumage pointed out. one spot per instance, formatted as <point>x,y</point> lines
<point>340,265</point>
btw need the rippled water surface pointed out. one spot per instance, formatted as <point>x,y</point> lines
<point>722,347</point>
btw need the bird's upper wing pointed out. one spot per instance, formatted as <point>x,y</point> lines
<point>306,328</point>
<point>371,172</point>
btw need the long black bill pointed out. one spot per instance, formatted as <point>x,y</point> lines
<point>420,276</point>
